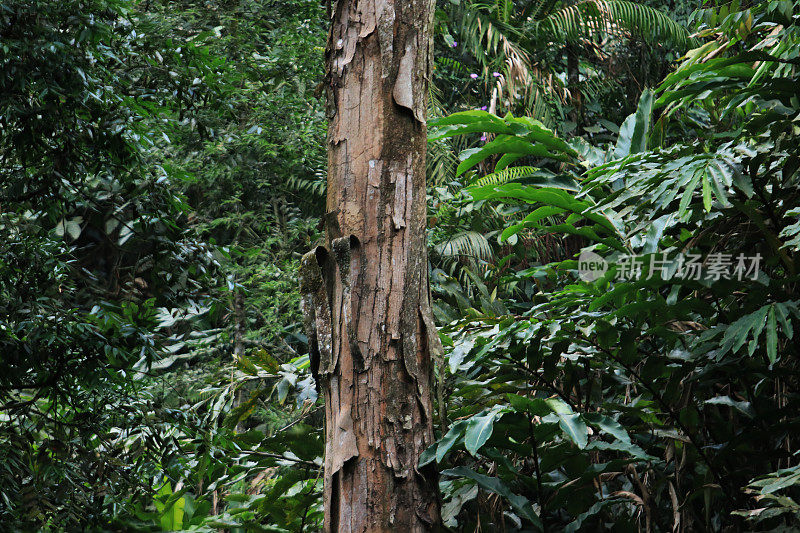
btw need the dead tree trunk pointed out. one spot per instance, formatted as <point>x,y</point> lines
<point>366,296</point>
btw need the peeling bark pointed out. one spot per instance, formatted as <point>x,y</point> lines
<point>366,296</point>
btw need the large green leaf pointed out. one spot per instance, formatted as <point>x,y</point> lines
<point>574,428</point>
<point>480,429</point>
<point>455,432</point>
<point>492,484</point>
<point>635,131</point>
<point>534,406</point>
<point>609,425</point>
<point>171,507</point>
<point>548,196</point>
<point>505,144</point>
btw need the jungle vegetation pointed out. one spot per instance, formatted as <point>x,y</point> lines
<point>610,225</point>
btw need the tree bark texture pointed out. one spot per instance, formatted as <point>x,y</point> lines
<point>365,295</point>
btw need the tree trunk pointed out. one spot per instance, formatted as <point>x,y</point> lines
<point>365,296</point>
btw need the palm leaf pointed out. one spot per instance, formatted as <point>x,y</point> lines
<point>597,19</point>
<point>467,244</point>
<point>537,9</point>
<point>442,160</point>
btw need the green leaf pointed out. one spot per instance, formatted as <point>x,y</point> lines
<point>454,433</point>
<point>531,220</point>
<point>688,194</point>
<point>551,197</point>
<point>634,132</point>
<point>576,524</point>
<point>632,449</point>
<point>484,126</point>
<point>505,144</point>
<point>70,227</point>
<point>782,311</point>
<point>748,326</point>
<point>520,504</point>
<point>459,352</point>
<point>781,483</point>
<point>574,428</point>
<point>453,506</point>
<point>534,406</point>
<point>609,425</point>
<point>428,455</point>
<point>125,233</point>
<point>758,323</point>
<point>655,232</point>
<point>171,507</point>
<point>480,429</point>
<point>706,192</point>
<point>559,406</point>
<point>743,407</point>
<point>772,336</point>
<point>111,225</point>
<point>475,116</point>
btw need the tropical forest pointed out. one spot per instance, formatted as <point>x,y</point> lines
<point>373,266</point>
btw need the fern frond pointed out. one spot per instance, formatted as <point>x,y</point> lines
<point>467,245</point>
<point>316,187</point>
<point>452,64</point>
<point>505,175</point>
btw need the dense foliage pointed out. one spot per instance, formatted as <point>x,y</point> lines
<point>116,118</point>
<point>162,168</point>
<point>95,247</point>
<point>662,392</point>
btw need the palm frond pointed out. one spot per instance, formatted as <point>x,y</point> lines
<point>491,34</point>
<point>468,245</point>
<point>537,9</point>
<point>442,160</point>
<point>545,98</point>
<point>452,64</point>
<point>504,9</point>
<point>598,19</point>
<point>594,86</point>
